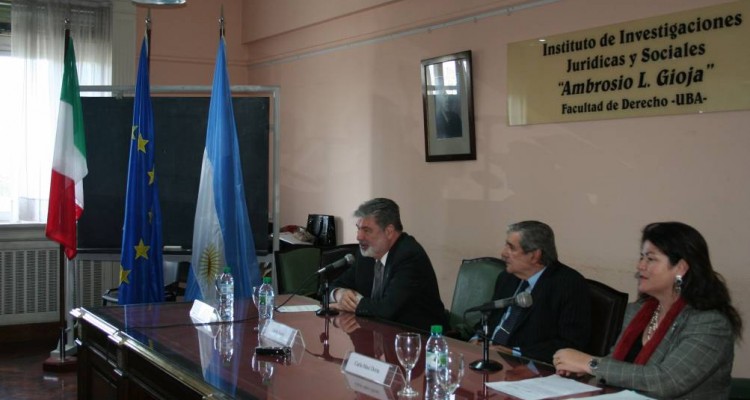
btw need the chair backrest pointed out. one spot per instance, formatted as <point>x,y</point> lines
<point>607,313</point>
<point>333,254</point>
<point>295,269</point>
<point>475,285</point>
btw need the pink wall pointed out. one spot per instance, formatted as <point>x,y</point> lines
<point>184,42</point>
<point>351,129</point>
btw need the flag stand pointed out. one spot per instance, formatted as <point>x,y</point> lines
<point>62,362</point>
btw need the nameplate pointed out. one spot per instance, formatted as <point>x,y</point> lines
<point>279,333</point>
<point>203,313</point>
<point>368,368</point>
<point>366,387</point>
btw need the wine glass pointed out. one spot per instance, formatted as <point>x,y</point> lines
<point>256,299</point>
<point>450,375</point>
<point>408,348</point>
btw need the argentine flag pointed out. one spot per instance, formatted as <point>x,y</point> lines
<point>221,235</point>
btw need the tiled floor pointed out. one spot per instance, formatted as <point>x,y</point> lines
<point>22,376</point>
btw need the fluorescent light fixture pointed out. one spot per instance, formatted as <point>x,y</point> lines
<point>159,2</point>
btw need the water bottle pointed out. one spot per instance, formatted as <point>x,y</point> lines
<point>224,342</point>
<point>225,295</point>
<point>265,302</point>
<point>436,353</point>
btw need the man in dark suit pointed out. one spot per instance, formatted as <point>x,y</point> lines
<point>392,277</point>
<point>560,315</point>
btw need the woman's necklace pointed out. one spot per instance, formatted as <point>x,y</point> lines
<point>653,324</point>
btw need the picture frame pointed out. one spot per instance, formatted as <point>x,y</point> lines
<point>448,104</point>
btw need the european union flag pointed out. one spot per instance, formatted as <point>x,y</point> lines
<point>141,268</point>
<point>221,234</point>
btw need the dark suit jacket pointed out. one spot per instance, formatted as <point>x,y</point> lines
<point>410,295</point>
<point>693,361</point>
<point>559,317</point>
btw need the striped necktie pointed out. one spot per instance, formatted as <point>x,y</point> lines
<point>377,282</point>
<point>506,327</point>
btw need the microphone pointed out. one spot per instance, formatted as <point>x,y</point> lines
<point>522,300</point>
<point>347,260</point>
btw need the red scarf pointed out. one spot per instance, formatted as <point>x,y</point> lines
<point>634,331</point>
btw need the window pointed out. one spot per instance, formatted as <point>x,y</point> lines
<point>32,72</point>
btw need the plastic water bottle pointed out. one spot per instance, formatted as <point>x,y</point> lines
<point>224,342</point>
<point>436,354</point>
<point>225,294</point>
<point>265,302</point>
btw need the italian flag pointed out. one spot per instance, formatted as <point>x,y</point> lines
<point>68,162</point>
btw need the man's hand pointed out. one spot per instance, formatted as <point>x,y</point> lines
<point>346,300</point>
<point>501,349</point>
<point>347,322</point>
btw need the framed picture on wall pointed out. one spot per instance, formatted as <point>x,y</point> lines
<point>448,105</point>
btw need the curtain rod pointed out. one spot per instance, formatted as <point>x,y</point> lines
<point>122,89</point>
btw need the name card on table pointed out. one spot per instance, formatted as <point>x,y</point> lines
<point>369,388</point>
<point>203,313</point>
<point>279,333</point>
<point>371,369</point>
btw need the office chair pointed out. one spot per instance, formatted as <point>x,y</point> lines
<point>475,285</point>
<point>607,313</point>
<point>332,254</point>
<point>296,266</point>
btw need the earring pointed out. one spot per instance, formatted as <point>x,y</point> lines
<point>677,284</point>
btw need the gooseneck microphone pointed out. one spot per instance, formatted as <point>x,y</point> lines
<point>522,300</point>
<point>326,310</point>
<point>346,260</point>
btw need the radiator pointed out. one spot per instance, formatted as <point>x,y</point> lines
<point>29,277</point>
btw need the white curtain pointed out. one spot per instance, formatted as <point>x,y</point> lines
<point>33,93</point>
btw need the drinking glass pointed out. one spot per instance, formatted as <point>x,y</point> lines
<point>450,375</point>
<point>256,298</point>
<point>408,348</point>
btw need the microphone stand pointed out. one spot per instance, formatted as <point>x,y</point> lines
<point>485,364</point>
<point>326,309</point>
<point>324,340</point>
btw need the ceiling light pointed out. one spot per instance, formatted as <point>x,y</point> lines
<point>159,2</point>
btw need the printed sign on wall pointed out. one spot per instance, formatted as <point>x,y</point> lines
<point>683,63</point>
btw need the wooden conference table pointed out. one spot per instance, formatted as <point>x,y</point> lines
<point>155,351</point>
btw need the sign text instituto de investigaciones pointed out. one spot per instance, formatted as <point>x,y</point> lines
<point>695,61</point>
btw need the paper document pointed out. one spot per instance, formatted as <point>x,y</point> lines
<point>542,388</point>
<point>624,395</point>
<point>312,307</point>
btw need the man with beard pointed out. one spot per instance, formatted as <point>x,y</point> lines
<point>392,277</point>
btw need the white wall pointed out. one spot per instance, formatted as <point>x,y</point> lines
<point>351,122</point>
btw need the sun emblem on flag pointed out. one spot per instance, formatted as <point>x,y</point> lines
<point>210,264</point>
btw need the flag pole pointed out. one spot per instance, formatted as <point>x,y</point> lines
<point>221,23</point>
<point>62,363</point>
<point>148,37</point>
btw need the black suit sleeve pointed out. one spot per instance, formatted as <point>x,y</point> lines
<point>410,296</point>
<point>571,318</point>
<point>560,316</point>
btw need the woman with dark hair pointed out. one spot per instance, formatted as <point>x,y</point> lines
<point>678,337</point>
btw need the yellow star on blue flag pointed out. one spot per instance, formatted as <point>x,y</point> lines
<point>142,270</point>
